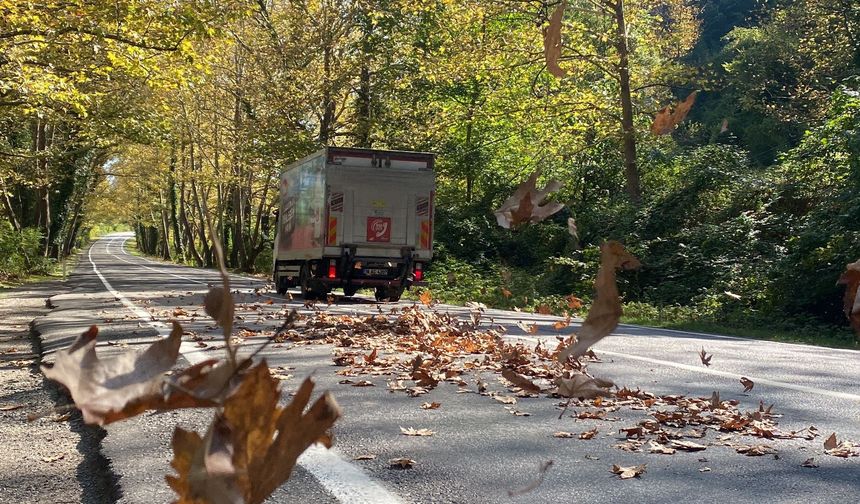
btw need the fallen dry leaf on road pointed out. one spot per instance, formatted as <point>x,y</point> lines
<point>747,383</point>
<point>655,447</point>
<point>755,450</point>
<point>520,381</point>
<point>10,407</point>
<point>416,432</point>
<point>54,458</point>
<point>810,462</point>
<point>686,445</point>
<point>527,204</point>
<point>706,359</point>
<point>430,405</point>
<point>582,386</point>
<point>401,463</point>
<point>629,472</point>
<point>589,434</point>
<point>365,457</point>
<point>252,446</point>
<point>505,399</point>
<point>563,434</point>
<point>605,312</point>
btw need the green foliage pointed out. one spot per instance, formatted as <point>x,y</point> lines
<point>20,253</point>
<point>821,206</point>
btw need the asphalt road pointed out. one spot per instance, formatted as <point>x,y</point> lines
<point>480,450</point>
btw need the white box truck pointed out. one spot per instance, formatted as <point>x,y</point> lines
<point>355,218</point>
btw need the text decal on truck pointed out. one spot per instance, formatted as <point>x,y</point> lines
<point>379,229</point>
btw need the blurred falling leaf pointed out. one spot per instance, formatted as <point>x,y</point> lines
<point>531,486</point>
<point>426,298</point>
<point>666,119</point>
<point>527,203</point>
<point>747,383</point>
<point>571,227</point>
<point>219,305</point>
<point>706,359</point>
<point>605,312</point>
<point>552,41</point>
<point>573,302</point>
<point>851,301</point>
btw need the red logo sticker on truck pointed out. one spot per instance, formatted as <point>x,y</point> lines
<point>379,229</point>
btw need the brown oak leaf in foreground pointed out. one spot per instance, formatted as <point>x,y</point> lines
<point>252,446</point>
<point>851,302</point>
<point>116,388</point>
<point>527,203</point>
<point>604,314</point>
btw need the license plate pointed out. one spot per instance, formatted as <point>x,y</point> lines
<point>374,272</point>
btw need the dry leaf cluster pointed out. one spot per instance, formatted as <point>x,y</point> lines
<point>252,443</point>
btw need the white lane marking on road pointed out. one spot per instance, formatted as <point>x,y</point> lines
<point>723,374</point>
<point>342,479</point>
<point>191,352</point>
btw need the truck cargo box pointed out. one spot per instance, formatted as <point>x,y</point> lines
<point>355,218</point>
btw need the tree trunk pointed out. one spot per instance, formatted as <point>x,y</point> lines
<point>628,131</point>
<point>171,201</point>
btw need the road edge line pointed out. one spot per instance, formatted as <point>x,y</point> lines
<point>346,481</point>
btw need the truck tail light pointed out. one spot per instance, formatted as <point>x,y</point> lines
<point>418,273</point>
<point>332,268</point>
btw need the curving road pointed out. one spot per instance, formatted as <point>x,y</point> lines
<point>480,450</point>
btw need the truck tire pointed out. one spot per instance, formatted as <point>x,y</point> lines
<point>305,282</point>
<point>350,291</point>
<point>391,294</point>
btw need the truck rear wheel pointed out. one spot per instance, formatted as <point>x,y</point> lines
<point>306,282</point>
<point>391,294</point>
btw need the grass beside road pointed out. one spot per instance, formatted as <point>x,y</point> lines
<point>59,271</point>
<point>810,334</point>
